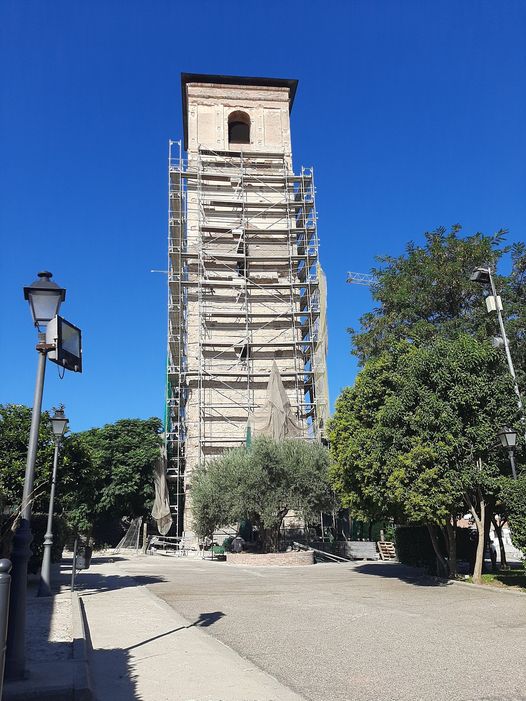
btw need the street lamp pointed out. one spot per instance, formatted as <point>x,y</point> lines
<point>45,298</point>
<point>508,439</point>
<point>59,425</point>
<point>494,303</point>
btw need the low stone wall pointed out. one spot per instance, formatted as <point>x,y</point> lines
<point>290,559</point>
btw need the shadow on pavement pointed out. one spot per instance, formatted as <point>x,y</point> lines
<point>113,670</point>
<point>392,570</point>
<point>204,620</point>
<point>88,582</point>
<point>114,676</point>
<point>207,619</point>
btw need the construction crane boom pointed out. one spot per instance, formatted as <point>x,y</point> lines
<point>360,279</point>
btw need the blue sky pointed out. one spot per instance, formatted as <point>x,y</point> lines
<point>413,114</point>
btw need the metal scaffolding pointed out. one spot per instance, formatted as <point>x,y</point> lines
<point>243,291</point>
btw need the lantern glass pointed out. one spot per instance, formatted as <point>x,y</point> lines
<point>508,437</point>
<point>480,275</point>
<point>45,298</point>
<point>59,423</point>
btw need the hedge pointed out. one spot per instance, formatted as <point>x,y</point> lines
<point>414,547</point>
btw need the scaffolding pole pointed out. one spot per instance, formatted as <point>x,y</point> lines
<point>243,291</point>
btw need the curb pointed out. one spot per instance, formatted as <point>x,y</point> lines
<point>82,690</point>
<point>488,587</point>
<point>482,587</point>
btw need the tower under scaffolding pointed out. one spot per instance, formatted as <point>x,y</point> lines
<point>245,287</point>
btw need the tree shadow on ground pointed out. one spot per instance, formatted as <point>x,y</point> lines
<point>207,619</point>
<point>515,578</point>
<point>87,582</point>
<point>394,570</point>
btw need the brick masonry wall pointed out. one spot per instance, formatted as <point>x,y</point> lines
<point>289,559</point>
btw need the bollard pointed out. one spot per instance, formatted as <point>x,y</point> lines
<point>5,586</point>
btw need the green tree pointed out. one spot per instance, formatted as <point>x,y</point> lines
<point>514,495</point>
<point>75,476</point>
<point>122,456</point>
<point>15,422</point>
<point>415,437</point>
<point>261,483</point>
<point>513,292</point>
<point>105,473</point>
<point>427,291</point>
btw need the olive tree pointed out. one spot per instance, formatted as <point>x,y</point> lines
<point>261,483</point>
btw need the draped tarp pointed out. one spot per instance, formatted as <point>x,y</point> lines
<point>275,418</point>
<point>321,383</point>
<point>161,505</point>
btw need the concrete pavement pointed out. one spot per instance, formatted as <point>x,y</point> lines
<point>143,649</point>
<point>360,631</point>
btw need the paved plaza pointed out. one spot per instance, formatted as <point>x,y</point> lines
<point>366,632</point>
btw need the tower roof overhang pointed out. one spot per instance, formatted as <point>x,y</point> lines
<point>186,78</point>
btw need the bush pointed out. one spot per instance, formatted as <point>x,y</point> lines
<point>108,531</point>
<point>38,528</point>
<point>227,543</point>
<point>6,535</point>
<point>414,547</point>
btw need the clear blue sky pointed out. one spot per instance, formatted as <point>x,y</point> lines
<point>413,114</point>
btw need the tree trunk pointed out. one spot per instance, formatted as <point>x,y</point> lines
<point>480,522</point>
<point>442,564</point>
<point>271,534</point>
<point>451,527</point>
<point>502,549</point>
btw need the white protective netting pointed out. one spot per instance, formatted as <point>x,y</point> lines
<point>321,382</point>
<point>161,505</point>
<point>275,418</point>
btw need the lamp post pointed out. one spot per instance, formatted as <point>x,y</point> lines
<point>59,425</point>
<point>45,298</point>
<point>484,277</point>
<point>508,439</point>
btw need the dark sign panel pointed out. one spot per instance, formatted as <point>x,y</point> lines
<point>67,340</point>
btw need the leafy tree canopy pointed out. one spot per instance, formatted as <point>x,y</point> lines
<point>104,473</point>
<point>406,438</point>
<point>123,455</point>
<point>427,291</point>
<point>514,496</point>
<point>261,484</point>
<point>15,421</point>
<point>513,293</point>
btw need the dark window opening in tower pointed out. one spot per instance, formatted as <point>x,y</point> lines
<point>239,128</point>
<point>243,352</point>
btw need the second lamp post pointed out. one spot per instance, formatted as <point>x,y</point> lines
<point>508,440</point>
<point>59,425</point>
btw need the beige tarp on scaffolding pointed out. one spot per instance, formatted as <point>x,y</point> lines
<point>275,418</point>
<point>321,382</point>
<point>161,505</point>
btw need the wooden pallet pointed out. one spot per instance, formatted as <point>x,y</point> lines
<point>387,550</point>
